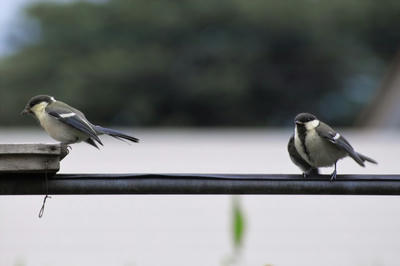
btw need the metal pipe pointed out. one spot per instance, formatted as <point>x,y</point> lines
<point>83,184</point>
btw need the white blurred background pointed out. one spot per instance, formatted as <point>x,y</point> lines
<point>196,230</point>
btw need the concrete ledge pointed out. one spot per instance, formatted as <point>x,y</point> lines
<point>31,158</point>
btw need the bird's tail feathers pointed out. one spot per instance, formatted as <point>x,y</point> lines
<point>366,158</point>
<point>356,157</point>
<point>115,133</point>
<point>92,142</point>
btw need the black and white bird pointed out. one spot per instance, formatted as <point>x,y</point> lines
<point>67,124</point>
<point>321,146</point>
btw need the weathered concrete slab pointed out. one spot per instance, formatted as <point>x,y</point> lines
<point>31,158</point>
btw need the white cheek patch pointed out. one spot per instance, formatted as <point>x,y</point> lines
<point>52,99</point>
<point>336,137</point>
<point>312,124</point>
<point>67,115</point>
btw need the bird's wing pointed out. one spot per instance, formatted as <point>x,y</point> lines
<point>72,117</point>
<point>340,142</point>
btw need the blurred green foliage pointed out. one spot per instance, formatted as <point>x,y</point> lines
<point>203,62</point>
<point>238,226</point>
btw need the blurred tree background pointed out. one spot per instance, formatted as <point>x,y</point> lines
<point>202,62</point>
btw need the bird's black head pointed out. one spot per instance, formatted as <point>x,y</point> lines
<point>303,118</point>
<point>37,100</point>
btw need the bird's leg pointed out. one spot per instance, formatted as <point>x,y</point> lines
<point>333,176</point>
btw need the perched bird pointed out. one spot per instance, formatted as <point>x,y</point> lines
<point>299,161</point>
<point>321,146</point>
<point>67,124</point>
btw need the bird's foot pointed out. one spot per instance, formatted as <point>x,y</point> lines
<point>333,176</point>
<point>64,150</point>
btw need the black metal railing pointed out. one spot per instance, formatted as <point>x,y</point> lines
<point>81,184</point>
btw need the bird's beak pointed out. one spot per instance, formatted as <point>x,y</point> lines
<point>25,111</point>
<point>298,122</point>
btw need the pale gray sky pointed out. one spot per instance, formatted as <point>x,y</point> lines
<point>10,15</point>
<point>10,11</point>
